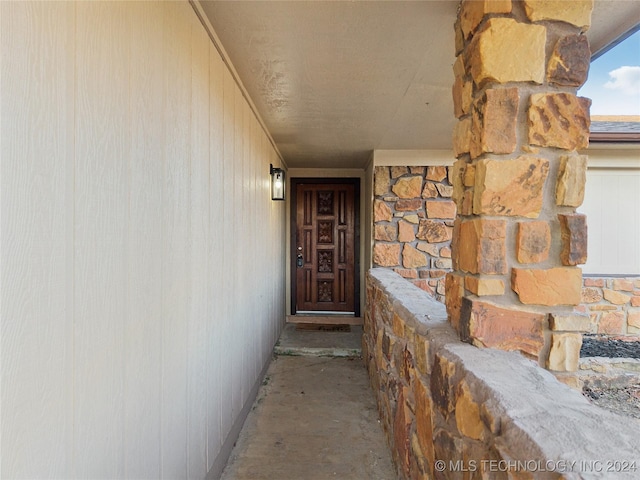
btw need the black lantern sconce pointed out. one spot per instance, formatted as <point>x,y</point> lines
<point>277,183</point>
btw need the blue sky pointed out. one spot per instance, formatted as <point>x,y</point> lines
<point>614,80</point>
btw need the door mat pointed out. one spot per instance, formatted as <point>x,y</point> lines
<point>323,327</point>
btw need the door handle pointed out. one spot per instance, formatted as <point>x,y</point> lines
<point>299,261</point>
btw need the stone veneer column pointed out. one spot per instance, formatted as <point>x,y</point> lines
<point>518,178</point>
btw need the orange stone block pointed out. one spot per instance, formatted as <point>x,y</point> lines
<point>454,288</point>
<point>612,323</point>
<point>493,125</point>
<point>436,174</point>
<point>573,230</point>
<point>559,120</point>
<point>412,258</point>
<point>424,425</point>
<point>408,187</point>
<point>481,246</point>
<point>433,231</point>
<point>510,187</point>
<point>381,212</point>
<point>484,286</point>
<point>405,232</point>
<point>441,209</point>
<point>386,254</point>
<point>488,325</point>
<point>553,286</point>
<point>533,241</point>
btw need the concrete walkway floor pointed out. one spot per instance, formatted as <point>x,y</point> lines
<point>315,418</point>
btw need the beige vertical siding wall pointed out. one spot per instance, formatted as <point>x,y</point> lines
<point>142,262</point>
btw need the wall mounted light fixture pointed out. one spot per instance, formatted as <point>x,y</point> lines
<point>277,183</point>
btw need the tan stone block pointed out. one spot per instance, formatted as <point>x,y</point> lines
<point>440,384</point>
<point>412,258</point>
<point>459,69</point>
<point>430,190</point>
<point>572,177</point>
<point>612,323</point>
<point>381,181</point>
<point>456,96</point>
<point>510,187</point>
<point>553,286</point>
<point>484,286</point>
<point>401,438</point>
<point>408,205</point>
<point>440,209</point>
<point>467,203</point>
<point>635,301</point>
<point>421,349</point>
<point>575,12</point>
<point>565,352</point>
<point>462,137</point>
<point>482,247</point>
<point>398,325</point>
<point>473,11</point>
<point>386,233</point>
<point>489,60</point>
<point>493,125</point>
<point>445,191</point>
<point>533,241</point>
<point>381,211</point>
<point>411,219</point>
<point>593,282</point>
<point>408,187</point>
<point>623,285</point>
<point>436,173</point>
<point>573,322</point>
<point>443,263</point>
<point>456,172</point>
<point>590,295</point>
<point>488,325</point>
<point>616,298</point>
<point>406,232</point>
<point>417,171</point>
<point>433,231</point>
<point>633,317</point>
<point>409,273</point>
<point>445,252</point>
<point>399,171</point>
<point>559,120</point>
<point>386,254</point>
<point>424,422</point>
<point>428,248</point>
<point>602,308</point>
<point>569,62</point>
<point>437,273</point>
<point>458,37</point>
<point>469,179</point>
<point>573,231</point>
<point>454,288</point>
<point>467,411</point>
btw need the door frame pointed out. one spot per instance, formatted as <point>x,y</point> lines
<point>294,182</point>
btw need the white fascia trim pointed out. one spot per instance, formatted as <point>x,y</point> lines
<point>626,156</point>
<point>413,158</point>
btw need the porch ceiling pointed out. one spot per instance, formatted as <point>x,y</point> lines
<point>334,80</point>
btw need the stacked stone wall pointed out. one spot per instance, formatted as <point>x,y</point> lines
<point>452,411</point>
<point>413,224</point>
<point>518,178</point>
<point>611,306</point>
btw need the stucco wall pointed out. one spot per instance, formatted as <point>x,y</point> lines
<point>142,284</point>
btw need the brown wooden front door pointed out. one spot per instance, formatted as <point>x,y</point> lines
<point>324,246</point>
